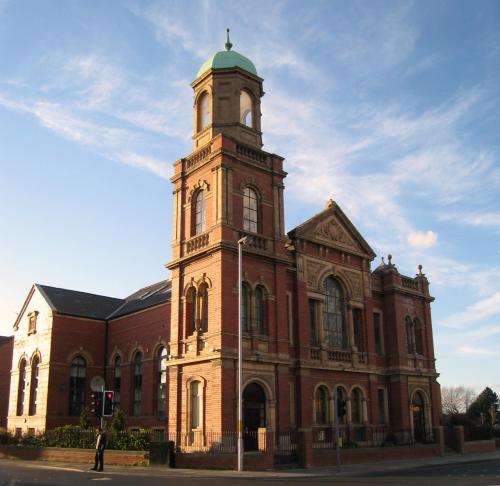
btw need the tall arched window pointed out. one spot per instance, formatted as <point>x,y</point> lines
<point>196,405</point>
<point>246,112</point>
<point>199,213</point>
<point>334,326</point>
<point>203,111</point>
<point>419,338</point>
<point>161,395</point>
<point>203,295</point>
<point>410,335</point>
<point>137,384</point>
<point>35,368</point>
<point>321,406</point>
<point>117,380</point>
<point>250,210</point>
<point>260,321</point>
<point>245,308</point>
<point>342,397</point>
<point>356,406</point>
<point>21,387</point>
<point>191,315</point>
<point>77,379</point>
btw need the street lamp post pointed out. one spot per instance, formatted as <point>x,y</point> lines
<point>241,242</point>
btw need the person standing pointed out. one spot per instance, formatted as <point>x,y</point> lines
<point>100,446</point>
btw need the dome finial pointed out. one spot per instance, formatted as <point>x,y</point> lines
<point>228,44</point>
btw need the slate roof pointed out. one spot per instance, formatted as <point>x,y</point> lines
<point>5,339</point>
<point>100,307</point>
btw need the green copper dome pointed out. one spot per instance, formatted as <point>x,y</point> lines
<point>227,59</point>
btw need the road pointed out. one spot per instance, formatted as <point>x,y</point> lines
<point>16,473</point>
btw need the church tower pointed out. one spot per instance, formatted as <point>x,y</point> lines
<point>227,188</point>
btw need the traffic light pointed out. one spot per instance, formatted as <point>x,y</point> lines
<point>341,411</point>
<point>109,397</point>
<point>96,404</point>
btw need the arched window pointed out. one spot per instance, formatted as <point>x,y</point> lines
<point>77,379</point>
<point>117,380</point>
<point>356,406</point>
<point>410,335</point>
<point>321,406</point>
<point>334,326</point>
<point>203,295</point>
<point>203,111</point>
<point>342,398</point>
<point>419,338</point>
<point>246,112</point>
<point>260,315</point>
<point>191,310</point>
<point>245,308</point>
<point>35,368</point>
<point>161,396</point>
<point>199,213</point>
<point>250,216</point>
<point>196,405</point>
<point>21,387</point>
<point>137,384</point>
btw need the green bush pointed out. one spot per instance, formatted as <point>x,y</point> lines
<point>73,436</point>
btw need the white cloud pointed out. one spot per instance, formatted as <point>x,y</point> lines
<point>477,351</point>
<point>484,219</point>
<point>476,312</point>
<point>422,239</point>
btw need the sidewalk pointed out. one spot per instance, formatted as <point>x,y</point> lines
<point>348,470</point>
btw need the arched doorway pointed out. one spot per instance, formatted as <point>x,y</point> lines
<point>254,414</point>
<point>418,407</point>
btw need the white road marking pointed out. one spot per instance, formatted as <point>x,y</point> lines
<point>57,468</point>
<point>101,479</point>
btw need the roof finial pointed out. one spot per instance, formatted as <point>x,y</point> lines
<point>228,44</point>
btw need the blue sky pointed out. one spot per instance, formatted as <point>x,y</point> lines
<point>390,108</point>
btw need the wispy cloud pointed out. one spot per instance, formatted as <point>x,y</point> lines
<point>478,351</point>
<point>476,312</point>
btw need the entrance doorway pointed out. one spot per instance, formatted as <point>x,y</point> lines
<point>418,417</point>
<point>254,415</point>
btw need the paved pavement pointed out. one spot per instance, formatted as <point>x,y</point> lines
<point>358,470</point>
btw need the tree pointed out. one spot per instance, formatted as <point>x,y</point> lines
<point>456,399</point>
<point>84,419</point>
<point>118,423</point>
<point>484,409</point>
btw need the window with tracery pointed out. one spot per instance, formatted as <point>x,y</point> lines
<point>410,335</point>
<point>137,384</point>
<point>117,380</point>
<point>419,338</point>
<point>35,370</point>
<point>78,374</point>
<point>21,386</point>
<point>191,311</point>
<point>245,308</point>
<point>334,325</point>
<point>161,392</point>
<point>356,406</point>
<point>199,213</point>
<point>260,322</point>
<point>321,405</point>
<point>250,210</point>
<point>203,292</point>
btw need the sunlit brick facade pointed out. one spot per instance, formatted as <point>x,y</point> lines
<point>315,315</point>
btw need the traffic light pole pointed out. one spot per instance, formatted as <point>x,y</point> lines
<point>337,420</point>
<point>102,411</point>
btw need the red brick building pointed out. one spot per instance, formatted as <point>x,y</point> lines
<point>315,316</point>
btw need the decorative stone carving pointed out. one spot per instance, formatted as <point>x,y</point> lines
<point>313,269</point>
<point>357,288</point>
<point>331,230</point>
